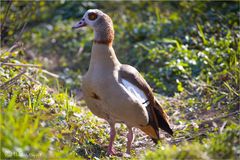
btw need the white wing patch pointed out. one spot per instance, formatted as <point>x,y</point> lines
<point>135,93</point>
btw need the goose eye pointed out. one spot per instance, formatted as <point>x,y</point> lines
<point>92,16</point>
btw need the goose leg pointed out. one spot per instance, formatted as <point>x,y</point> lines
<point>130,137</point>
<point>111,150</point>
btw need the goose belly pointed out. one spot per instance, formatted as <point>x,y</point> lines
<point>117,102</point>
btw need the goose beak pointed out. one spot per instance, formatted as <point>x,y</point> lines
<point>80,24</point>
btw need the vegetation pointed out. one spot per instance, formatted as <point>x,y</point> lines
<point>187,51</point>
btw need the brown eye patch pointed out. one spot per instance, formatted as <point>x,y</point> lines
<point>92,16</point>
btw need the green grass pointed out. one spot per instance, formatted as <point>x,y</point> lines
<point>42,122</point>
<point>191,60</point>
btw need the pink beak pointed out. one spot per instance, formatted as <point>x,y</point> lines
<point>80,24</point>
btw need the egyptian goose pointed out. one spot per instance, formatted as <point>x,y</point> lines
<point>117,92</point>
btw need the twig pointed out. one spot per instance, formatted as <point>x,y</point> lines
<point>21,65</point>
<point>184,138</point>
<point>12,81</point>
<point>5,16</point>
<point>15,46</point>
<point>22,30</point>
<point>222,127</point>
<point>50,74</point>
<point>31,79</point>
<point>32,66</point>
<point>218,118</point>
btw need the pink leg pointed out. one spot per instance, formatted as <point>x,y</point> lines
<point>130,137</point>
<point>111,150</point>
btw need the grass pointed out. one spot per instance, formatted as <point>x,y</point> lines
<point>216,146</point>
<point>191,58</point>
<point>42,122</point>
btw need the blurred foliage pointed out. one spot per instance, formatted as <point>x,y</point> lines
<point>169,46</point>
<point>186,50</point>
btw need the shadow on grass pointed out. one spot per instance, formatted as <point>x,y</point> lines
<point>91,150</point>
